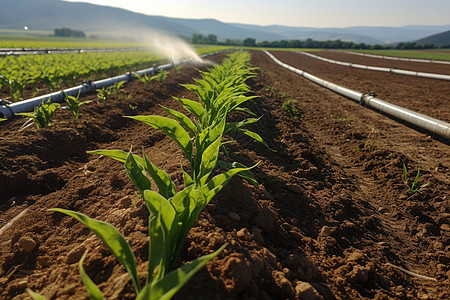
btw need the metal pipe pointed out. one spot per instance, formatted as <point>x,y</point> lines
<point>28,51</point>
<point>391,70</point>
<point>420,120</point>
<point>8,110</point>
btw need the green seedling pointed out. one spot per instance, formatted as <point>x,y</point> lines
<point>177,68</point>
<point>144,78</point>
<point>293,111</point>
<point>73,104</point>
<point>161,75</point>
<point>104,93</point>
<point>413,188</point>
<point>42,115</point>
<point>118,86</point>
<point>270,88</point>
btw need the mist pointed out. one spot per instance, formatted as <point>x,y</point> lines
<point>171,47</point>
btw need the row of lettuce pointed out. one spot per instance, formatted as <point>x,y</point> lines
<point>47,73</point>
<point>199,132</point>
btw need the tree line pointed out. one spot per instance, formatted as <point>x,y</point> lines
<point>211,39</point>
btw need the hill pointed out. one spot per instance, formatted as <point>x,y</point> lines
<point>106,21</point>
<point>439,39</point>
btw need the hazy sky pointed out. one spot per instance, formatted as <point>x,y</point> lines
<point>311,13</point>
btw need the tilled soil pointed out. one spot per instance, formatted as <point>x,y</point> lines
<point>331,218</point>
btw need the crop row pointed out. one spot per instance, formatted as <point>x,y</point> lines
<point>199,133</point>
<point>32,72</point>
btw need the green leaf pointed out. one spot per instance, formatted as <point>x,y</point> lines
<point>171,283</point>
<point>245,110</point>
<point>193,107</point>
<point>30,115</point>
<point>156,245</point>
<point>235,125</point>
<point>247,175</point>
<point>209,159</point>
<point>158,204</point>
<point>172,128</point>
<point>255,136</point>
<point>134,171</point>
<point>165,185</point>
<point>35,296</point>
<point>219,181</point>
<point>114,154</point>
<point>93,291</point>
<point>112,238</point>
<point>183,119</point>
<point>187,178</point>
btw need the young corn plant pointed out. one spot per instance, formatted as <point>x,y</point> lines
<point>144,78</point>
<point>42,115</point>
<point>104,94</point>
<point>291,109</point>
<point>414,188</point>
<point>172,213</point>
<point>160,76</point>
<point>73,104</point>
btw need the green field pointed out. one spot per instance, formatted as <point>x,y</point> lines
<point>54,71</point>
<point>41,41</point>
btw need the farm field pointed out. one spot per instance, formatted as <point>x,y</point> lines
<point>27,76</point>
<point>331,218</point>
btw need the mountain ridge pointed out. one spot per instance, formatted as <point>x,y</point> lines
<point>104,20</point>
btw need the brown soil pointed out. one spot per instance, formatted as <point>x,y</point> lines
<point>331,219</point>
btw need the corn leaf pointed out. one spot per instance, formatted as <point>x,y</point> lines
<point>112,238</point>
<point>172,128</point>
<point>118,155</point>
<point>254,136</point>
<point>35,296</point>
<point>156,245</point>
<point>158,204</point>
<point>209,159</point>
<point>165,185</point>
<point>219,181</point>
<point>229,127</point>
<point>134,171</point>
<point>183,119</point>
<point>187,179</point>
<point>92,289</point>
<point>168,286</point>
<point>245,110</point>
<point>193,107</point>
<point>247,175</point>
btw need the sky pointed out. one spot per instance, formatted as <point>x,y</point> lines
<point>301,13</point>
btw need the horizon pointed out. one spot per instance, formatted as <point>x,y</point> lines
<point>293,13</point>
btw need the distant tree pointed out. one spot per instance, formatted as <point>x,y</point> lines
<point>249,42</point>
<point>67,32</point>
<point>211,39</point>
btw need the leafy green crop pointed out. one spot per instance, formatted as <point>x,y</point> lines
<point>43,114</point>
<point>413,188</point>
<point>74,105</point>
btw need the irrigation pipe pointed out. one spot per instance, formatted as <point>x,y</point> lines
<point>400,58</point>
<point>28,51</point>
<point>8,110</point>
<point>422,121</point>
<point>381,69</point>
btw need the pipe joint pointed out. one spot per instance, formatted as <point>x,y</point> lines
<point>5,110</point>
<point>89,85</point>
